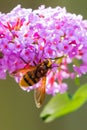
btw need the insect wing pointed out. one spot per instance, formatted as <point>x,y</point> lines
<point>19,76</point>
<point>22,71</point>
<point>39,93</point>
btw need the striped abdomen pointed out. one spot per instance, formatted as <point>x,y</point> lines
<point>29,79</point>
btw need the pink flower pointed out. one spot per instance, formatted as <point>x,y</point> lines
<point>52,86</point>
<point>32,36</point>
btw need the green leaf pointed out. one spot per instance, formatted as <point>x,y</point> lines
<point>63,104</point>
<point>77,81</point>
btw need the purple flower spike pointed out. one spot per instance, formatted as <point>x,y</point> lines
<point>29,37</point>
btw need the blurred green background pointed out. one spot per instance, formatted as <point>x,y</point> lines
<point>17,108</point>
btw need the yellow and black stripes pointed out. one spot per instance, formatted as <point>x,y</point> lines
<point>30,78</point>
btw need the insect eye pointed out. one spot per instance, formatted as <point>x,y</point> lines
<point>46,62</point>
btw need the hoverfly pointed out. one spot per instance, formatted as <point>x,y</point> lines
<point>34,74</point>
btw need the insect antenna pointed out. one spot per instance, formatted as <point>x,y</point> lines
<point>23,60</point>
<point>59,62</point>
<point>56,58</point>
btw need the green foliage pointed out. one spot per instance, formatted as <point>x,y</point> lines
<point>63,104</point>
<point>77,81</point>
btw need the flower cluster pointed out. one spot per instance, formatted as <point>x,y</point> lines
<point>31,36</point>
